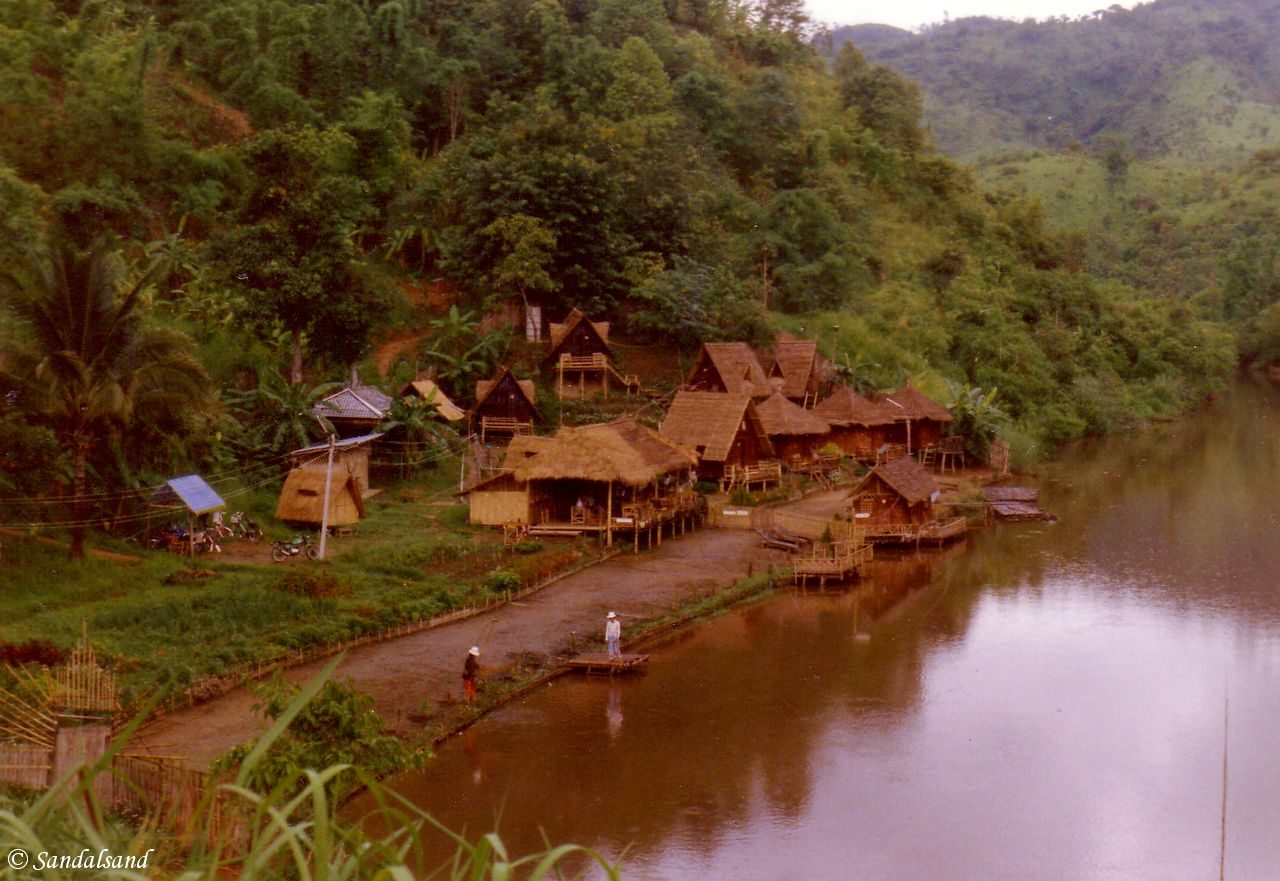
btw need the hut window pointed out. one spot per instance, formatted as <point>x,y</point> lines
<point>307,492</point>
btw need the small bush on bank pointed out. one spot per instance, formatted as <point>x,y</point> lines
<point>312,582</point>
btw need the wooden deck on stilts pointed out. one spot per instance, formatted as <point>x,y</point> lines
<point>603,664</point>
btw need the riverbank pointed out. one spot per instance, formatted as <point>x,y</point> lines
<point>415,680</point>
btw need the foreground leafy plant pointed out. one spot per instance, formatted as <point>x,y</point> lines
<point>292,830</point>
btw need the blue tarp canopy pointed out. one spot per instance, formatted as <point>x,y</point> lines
<point>191,491</point>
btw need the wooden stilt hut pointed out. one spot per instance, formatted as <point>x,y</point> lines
<point>607,478</point>
<point>894,502</point>
<point>582,360</point>
<point>921,422</point>
<point>797,434</point>
<point>858,426</point>
<point>504,407</point>
<point>728,367</point>
<point>727,433</point>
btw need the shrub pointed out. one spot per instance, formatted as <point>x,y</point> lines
<point>33,651</point>
<point>528,547</point>
<point>502,580</point>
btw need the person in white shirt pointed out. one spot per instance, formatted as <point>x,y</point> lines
<point>612,634</point>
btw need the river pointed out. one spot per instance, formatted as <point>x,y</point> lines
<point>1041,702</point>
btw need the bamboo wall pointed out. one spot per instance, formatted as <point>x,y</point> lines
<point>499,507</point>
<point>24,764</point>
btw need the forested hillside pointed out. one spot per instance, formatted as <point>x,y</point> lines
<point>1194,80</point>
<point>1149,136</point>
<point>210,206</point>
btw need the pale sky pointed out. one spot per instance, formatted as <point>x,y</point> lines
<point>910,13</point>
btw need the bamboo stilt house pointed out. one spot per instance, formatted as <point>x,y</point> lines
<point>581,358</point>
<point>858,426</point>
<point>796,433</point>
<point>724,429</point>
<point>504,407</point>
<point>728,367</point>
<point>302,498</point>
<point>583,479</point>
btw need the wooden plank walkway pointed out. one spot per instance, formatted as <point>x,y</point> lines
<point>602,663</point>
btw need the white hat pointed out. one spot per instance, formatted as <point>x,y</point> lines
<point>475,650</point>
<point>612,615</point>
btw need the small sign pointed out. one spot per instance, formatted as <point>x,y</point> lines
<point>736,512</point>
<point>622,520</point>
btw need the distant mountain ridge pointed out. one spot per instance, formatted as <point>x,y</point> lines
<point>1186,79</point>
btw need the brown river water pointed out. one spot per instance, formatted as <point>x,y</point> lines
<point>1045,701</point>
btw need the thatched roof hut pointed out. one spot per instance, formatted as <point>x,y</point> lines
<point>724,429</point>
<point>604,464</point>
<point>925,420</point>
<point>579,337</point>
<point>793,430</point>
<point>858,426</point>
<point>302,498</point>
<point>802,370</point>
<point>897,492</point>
<point>425,388</point>
<point>623,452</point>
<point>728,367</point>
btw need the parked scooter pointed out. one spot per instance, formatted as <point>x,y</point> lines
<point>282,550</point>
<point>243,527</point>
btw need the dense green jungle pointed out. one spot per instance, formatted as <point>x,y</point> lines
<point>211,208</point>
<point>1150,137</point>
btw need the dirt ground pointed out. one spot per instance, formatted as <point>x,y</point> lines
<point>413,673</point>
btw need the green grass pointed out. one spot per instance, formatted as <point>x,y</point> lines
<point>414,557</point>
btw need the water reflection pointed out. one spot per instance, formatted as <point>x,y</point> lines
<point>1046,702</point>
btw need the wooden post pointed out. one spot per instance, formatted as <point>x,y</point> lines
<point>328,481</point>
<point>608,521</point>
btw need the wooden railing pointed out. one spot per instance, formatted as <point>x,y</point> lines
<point>503,425</point>
<point>746,475</point>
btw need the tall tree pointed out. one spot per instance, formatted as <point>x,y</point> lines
<point>85,364</point>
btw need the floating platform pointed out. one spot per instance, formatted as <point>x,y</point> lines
<point>1016,504</point>
<point>602,663</point>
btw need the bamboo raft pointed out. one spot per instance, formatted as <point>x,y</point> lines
<point>603,664</point>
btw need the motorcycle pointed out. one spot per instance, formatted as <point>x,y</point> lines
<point>243,527</point>
<point>282,550</point>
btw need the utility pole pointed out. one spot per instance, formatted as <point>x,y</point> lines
<point>328,482</point>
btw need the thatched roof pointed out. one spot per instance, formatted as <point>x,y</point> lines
<point>302,498</point>
<point>796,362</point>
<point>523,446</point>
<point>485,387</point>
<point>427,390</point>
<point>572,320</point>
<point>711,420</point>
<point>904,476</point>
<point>622,452</point>
<point>847,407</point>
<point>783,417</point>
<point>916,405</point>
<point>737,366</point>
<point>354,402</point>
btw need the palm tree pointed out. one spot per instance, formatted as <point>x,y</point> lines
<point>84,363</point>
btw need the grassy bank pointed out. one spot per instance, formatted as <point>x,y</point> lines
<point>167,623</point>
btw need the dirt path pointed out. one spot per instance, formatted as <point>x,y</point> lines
<point>407,675</point>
